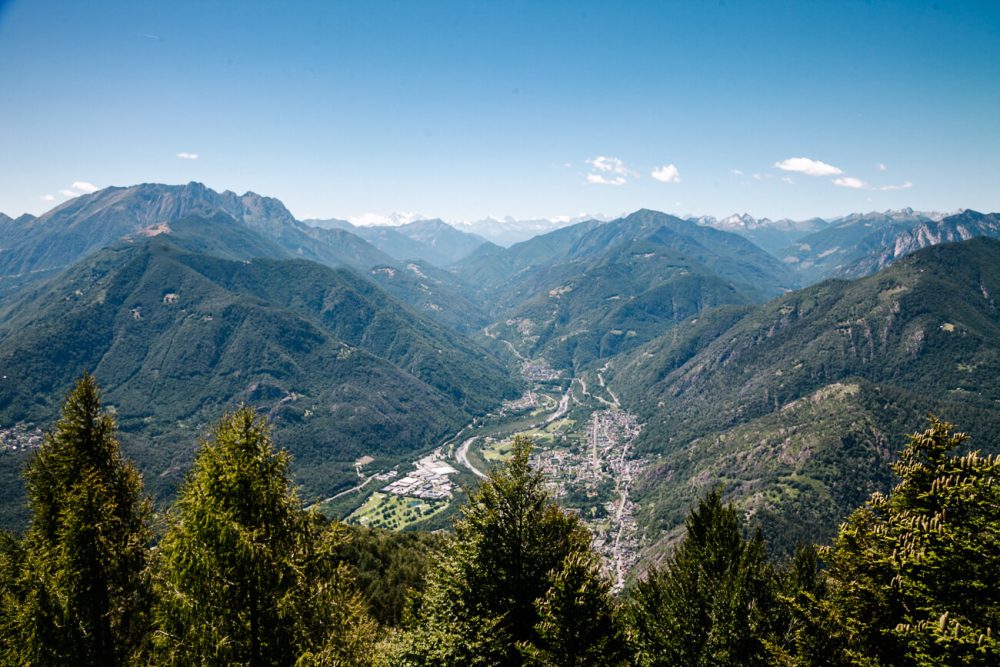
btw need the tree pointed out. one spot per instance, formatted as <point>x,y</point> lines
<point>713,602</point>
<point>912,575</point>
<point>245,575</point>
<point>480,601</point>
<point>79,590</point>
<point>577,625</point>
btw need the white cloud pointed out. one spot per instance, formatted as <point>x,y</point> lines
<point>666,174</point>
<point>187,156</point>
<point>786,179</point>
<point>881,166</point>
<point>858,184</point>
<point>69,193</point>
<point>396,218</point>
<point>761,177</point>
<point>597,179</point>
<point>48,198</point>
<point>610,165</point>
<point>84,187</point>
<point>804,165</point>
<point>901,186</point>
<point>851,182</point>
<point>735,172</point>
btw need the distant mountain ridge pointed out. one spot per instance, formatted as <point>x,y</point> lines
<point>861,244</point>
<point>93,221</point>
<point>431,240</point>
<point>594,289</point>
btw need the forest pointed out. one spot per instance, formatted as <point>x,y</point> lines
<point>238,571</point>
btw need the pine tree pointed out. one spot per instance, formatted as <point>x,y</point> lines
<point>713,602</point>
<point>79,593</point>
<point>912,576</point>
<point>577,626</point>
<point>245,575</point>
<point>480,601</point>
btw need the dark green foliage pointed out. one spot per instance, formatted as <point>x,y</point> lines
<point>75,589</point>
<point>911,577</point>
<point>480,602</point>
<point>715,600</point>
<point>389,567</point>
<point>244,575</point>
<point>578,625</point>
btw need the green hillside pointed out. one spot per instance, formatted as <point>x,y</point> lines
<point>790,406</point>
<point>175,337</point>
<point>591,291</point>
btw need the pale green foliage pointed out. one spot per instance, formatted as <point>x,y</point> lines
<point>76,588</point>
<point>913,575</point>
<point>245,575</point>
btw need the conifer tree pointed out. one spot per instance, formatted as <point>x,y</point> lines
<point>79,592</point>
<point>480,601</point>
<point>912,575</point>
<point>713,601</point>
<point>577,625</point>
<point>245,575</point>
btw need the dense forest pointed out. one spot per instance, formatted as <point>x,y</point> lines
<point>238,571</point>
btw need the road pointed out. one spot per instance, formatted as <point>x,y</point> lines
<point>563,406</point>
<point>462,454</point>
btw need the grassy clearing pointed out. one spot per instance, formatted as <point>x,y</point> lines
<point>387,510</point>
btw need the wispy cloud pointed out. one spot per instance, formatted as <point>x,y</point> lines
<point>78,188</point>
<point>881,166</point>
<point>610,165</point>
<point>48,198</point>
<point>858,184</point>
<point>851,182</point>
<point>597,179</point>
<point>807,166</point>
<point>187,156</point>
<point>666,174</point>
<point>735,172</point>
<point>787,179</point>
<point>84,187</point>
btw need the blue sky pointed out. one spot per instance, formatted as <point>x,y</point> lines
<point>468,109</point>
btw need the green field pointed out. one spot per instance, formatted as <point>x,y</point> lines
<point>387,510</point>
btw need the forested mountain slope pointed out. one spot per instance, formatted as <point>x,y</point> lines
<point>793,407</point>
<point>176,336</point>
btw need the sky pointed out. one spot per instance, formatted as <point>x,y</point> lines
<point>462,110</point>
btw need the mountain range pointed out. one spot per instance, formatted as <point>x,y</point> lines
<point>781,360</point>
<point>182,318</point>
<point>797,406</point>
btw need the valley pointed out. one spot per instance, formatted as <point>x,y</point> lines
<point>584,447</point>
<point>649,358</point>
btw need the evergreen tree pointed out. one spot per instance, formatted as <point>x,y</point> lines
<point>76,588</point>
<point>577,624</point>
<point>479,604</point>
<point>245,575</point>
<point>714,601</point>
<point>913,575</point>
